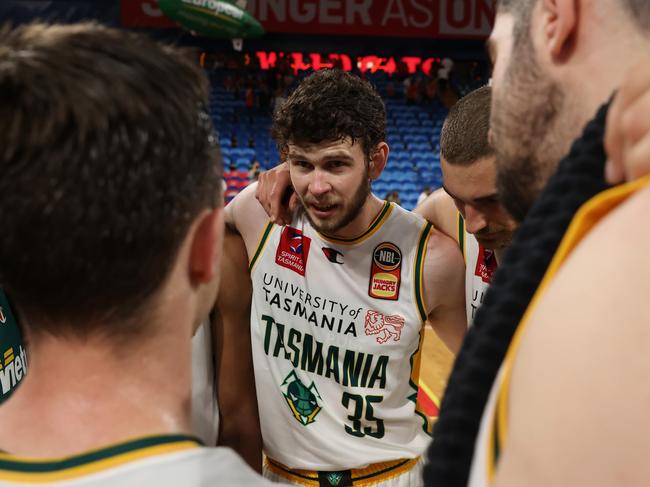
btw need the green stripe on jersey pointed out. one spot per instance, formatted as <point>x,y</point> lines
<point>265,236</point>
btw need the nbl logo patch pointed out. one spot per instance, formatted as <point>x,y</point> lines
<point>486,264</point>
<point>386,271</point>
<point>293,250</point>
<point>3,317</point>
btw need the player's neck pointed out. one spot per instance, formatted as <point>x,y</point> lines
<point>368,213</point>
<point>85,394</point>
<point>630,49</point>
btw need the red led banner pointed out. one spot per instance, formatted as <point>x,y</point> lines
<point>371,64</point>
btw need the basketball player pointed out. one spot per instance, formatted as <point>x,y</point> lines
<point>339,298</point>
<point>546,421</point>
<point>110,202</point>
<point>468,208</point>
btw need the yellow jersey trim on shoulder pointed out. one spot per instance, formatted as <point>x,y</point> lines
<point>261,244</point>
<point>27,470</point>
<point>583,222</point>
<point>376,224</point>
<point>418,272</point>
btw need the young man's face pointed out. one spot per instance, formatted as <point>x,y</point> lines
<point>331,180</point>
<point>473,189</point>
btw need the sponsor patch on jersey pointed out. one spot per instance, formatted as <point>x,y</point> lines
<point>3,317</point>
<point>486,264</point>
<point>385,272</point>
<point>293,250</point>
<point>333,255</point>
<point>386,327</point>
<point>13,367</point>
<point>301,399</point>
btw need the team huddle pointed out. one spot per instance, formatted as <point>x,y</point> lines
<point>151,335</point>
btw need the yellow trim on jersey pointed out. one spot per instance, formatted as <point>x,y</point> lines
<point>23,470</point>
<point>414,382</point>
<point>418,271</point>
<point>491,461</point>
<point>376,224</point>
<point>418,286</point>
<point>493,446</point>
<point>264,238</point>
<point>583,222</point>
<point>372,474</point>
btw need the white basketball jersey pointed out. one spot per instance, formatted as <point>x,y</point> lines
<point>163,461</point>
<point>336,327</point>
<point>480,265</point>
<point>486,449</point>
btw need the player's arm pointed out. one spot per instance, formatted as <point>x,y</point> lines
<point>443,282</point>
<point>247,216</point>
<point>579,393</point>
<point>239,426</point>
<point>439,209</point>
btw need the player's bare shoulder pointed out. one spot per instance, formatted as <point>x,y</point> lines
<point>439,209</point>
<point>636,208</point>
<point>443,253</point>
<point>443,285</point>
<point>615,227</point>
<point>444,267</point>
<point>440,248</point>
<point>247,216</point>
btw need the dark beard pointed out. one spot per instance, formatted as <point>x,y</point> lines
<point>529,140</point>
<point>359,199</point>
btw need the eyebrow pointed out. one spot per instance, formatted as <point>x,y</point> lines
<point>338,155</point>
<point>480,199</point>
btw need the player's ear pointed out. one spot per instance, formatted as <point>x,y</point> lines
<point>378,160</point>
<point>491,137</point>
<point>206,245</point>
<point>559,23</point>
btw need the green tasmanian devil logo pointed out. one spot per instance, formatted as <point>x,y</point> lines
<point>334,478</point>
<point>301,399</point>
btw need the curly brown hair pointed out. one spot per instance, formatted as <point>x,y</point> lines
<point>331,105</point>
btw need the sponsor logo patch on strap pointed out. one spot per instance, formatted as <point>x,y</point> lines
<point>385,272</point>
